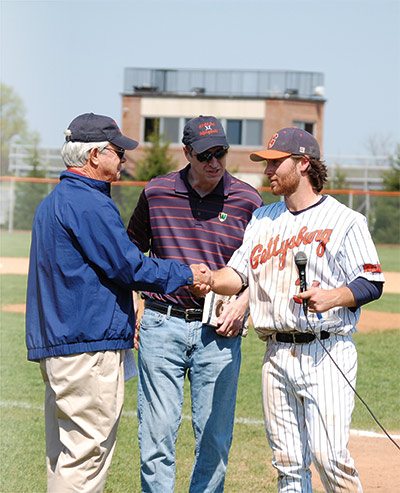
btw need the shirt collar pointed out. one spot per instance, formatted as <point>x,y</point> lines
<point>296,213</point>
<point>182,184</point>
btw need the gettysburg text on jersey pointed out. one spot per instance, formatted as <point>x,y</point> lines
<point>260,254</point>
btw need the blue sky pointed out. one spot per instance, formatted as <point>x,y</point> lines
<point>65,58</point>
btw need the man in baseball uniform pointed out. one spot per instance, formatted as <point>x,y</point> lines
<point>307,403</point>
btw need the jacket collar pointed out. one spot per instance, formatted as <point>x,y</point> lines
<point>101,186</point>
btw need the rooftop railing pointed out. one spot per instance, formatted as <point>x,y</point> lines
<point>224,83</point>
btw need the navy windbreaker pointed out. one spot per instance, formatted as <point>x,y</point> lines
<point>82,271</point>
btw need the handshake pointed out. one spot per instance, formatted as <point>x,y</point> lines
<point>203,280</point>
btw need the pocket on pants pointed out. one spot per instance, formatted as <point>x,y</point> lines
<point>151,319</point>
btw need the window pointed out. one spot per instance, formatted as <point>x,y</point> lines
<point>238,132</point>
<point>307,126</point>
<point>169,127</point>
<point>150,126</point>
<point>252,132</point>
<point>244,132</point>
<point>234,131</point>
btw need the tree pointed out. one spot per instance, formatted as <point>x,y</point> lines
<point>386,228</point>
<point>126,198</point>
<point>156,160</point>
<point>391,178</point>
<point>28,195</point>
<point>387,209</point>
<point>338,180</point>
<point>12,123</point>
<point>379,146</point>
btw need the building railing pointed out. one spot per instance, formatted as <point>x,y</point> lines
<point>50,160</point>
<point>224,83</point>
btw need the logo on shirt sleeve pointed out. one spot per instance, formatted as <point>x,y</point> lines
<point>374,268</point>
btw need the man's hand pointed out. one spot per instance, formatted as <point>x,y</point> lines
<point>321,300</point>
<point>135,299</point>
<point>136,336</point>
<point>231,319</point>
<point>202,280</point>
<point>223,281</point>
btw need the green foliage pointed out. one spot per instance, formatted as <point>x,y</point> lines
<point>269,197</point>
<point>126,198</point>
<point>156,160</point>
<point>386,220</point>
<point>338,180</point>
<point>12,122</point>
<point>389,257</point>
<point>28,195</point>
<point>16,244</point>
<point>391,178</point>
<point>388,302</point>
<point>387,209</point>
<point>383,218</point>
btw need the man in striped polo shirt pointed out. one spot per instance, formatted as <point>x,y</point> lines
<point>198,214</point>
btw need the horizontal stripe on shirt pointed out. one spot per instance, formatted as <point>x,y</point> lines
<point>172,221</point>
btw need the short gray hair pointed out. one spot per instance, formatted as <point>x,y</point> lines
<point>76,154</point>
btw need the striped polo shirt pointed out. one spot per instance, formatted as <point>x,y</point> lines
<point>172,221</point>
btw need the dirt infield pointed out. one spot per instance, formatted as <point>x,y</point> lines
<point>376,457</point>
<point>369,320</point>
<point>377,461</point>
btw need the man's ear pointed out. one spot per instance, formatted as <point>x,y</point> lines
<point>304,164</point>
<point>93,158</point>
<point>186,152</point>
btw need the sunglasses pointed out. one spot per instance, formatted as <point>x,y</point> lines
<point>207,156</point>
<point>119,152</point>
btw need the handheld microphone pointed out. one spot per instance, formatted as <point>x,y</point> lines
<point>301,262</point>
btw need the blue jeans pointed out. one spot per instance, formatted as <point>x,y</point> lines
<point>170,348</point>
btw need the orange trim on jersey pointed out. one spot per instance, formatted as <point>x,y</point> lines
<point>260,255</point>
<point>374,268</point>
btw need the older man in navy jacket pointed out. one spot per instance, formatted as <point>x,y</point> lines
<point>80,319</point>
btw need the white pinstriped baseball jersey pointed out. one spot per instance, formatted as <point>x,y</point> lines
<point>338,246</point>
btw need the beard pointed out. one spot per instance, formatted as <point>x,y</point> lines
<point>286,184</point>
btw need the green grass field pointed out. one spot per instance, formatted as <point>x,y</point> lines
<point>15,244</point>
<point>22,443</point>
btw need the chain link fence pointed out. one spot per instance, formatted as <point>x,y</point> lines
<point>21,195</point>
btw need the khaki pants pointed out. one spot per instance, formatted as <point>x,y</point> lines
<point>83,405</point>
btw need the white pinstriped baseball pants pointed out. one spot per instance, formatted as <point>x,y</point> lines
<point>307,412</point>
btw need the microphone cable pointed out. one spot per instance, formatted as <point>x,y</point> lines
<point>347,380</point>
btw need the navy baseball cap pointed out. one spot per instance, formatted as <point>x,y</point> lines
<point>286,142</point>
<point>204,132</point>
<point>97,128</point>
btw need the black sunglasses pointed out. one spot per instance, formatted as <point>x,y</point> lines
<point>119,152</point>
<point>207,156</point>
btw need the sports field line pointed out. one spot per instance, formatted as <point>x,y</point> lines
<point>245,421</point>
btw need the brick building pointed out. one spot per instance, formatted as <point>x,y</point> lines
<point>250,104</point>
